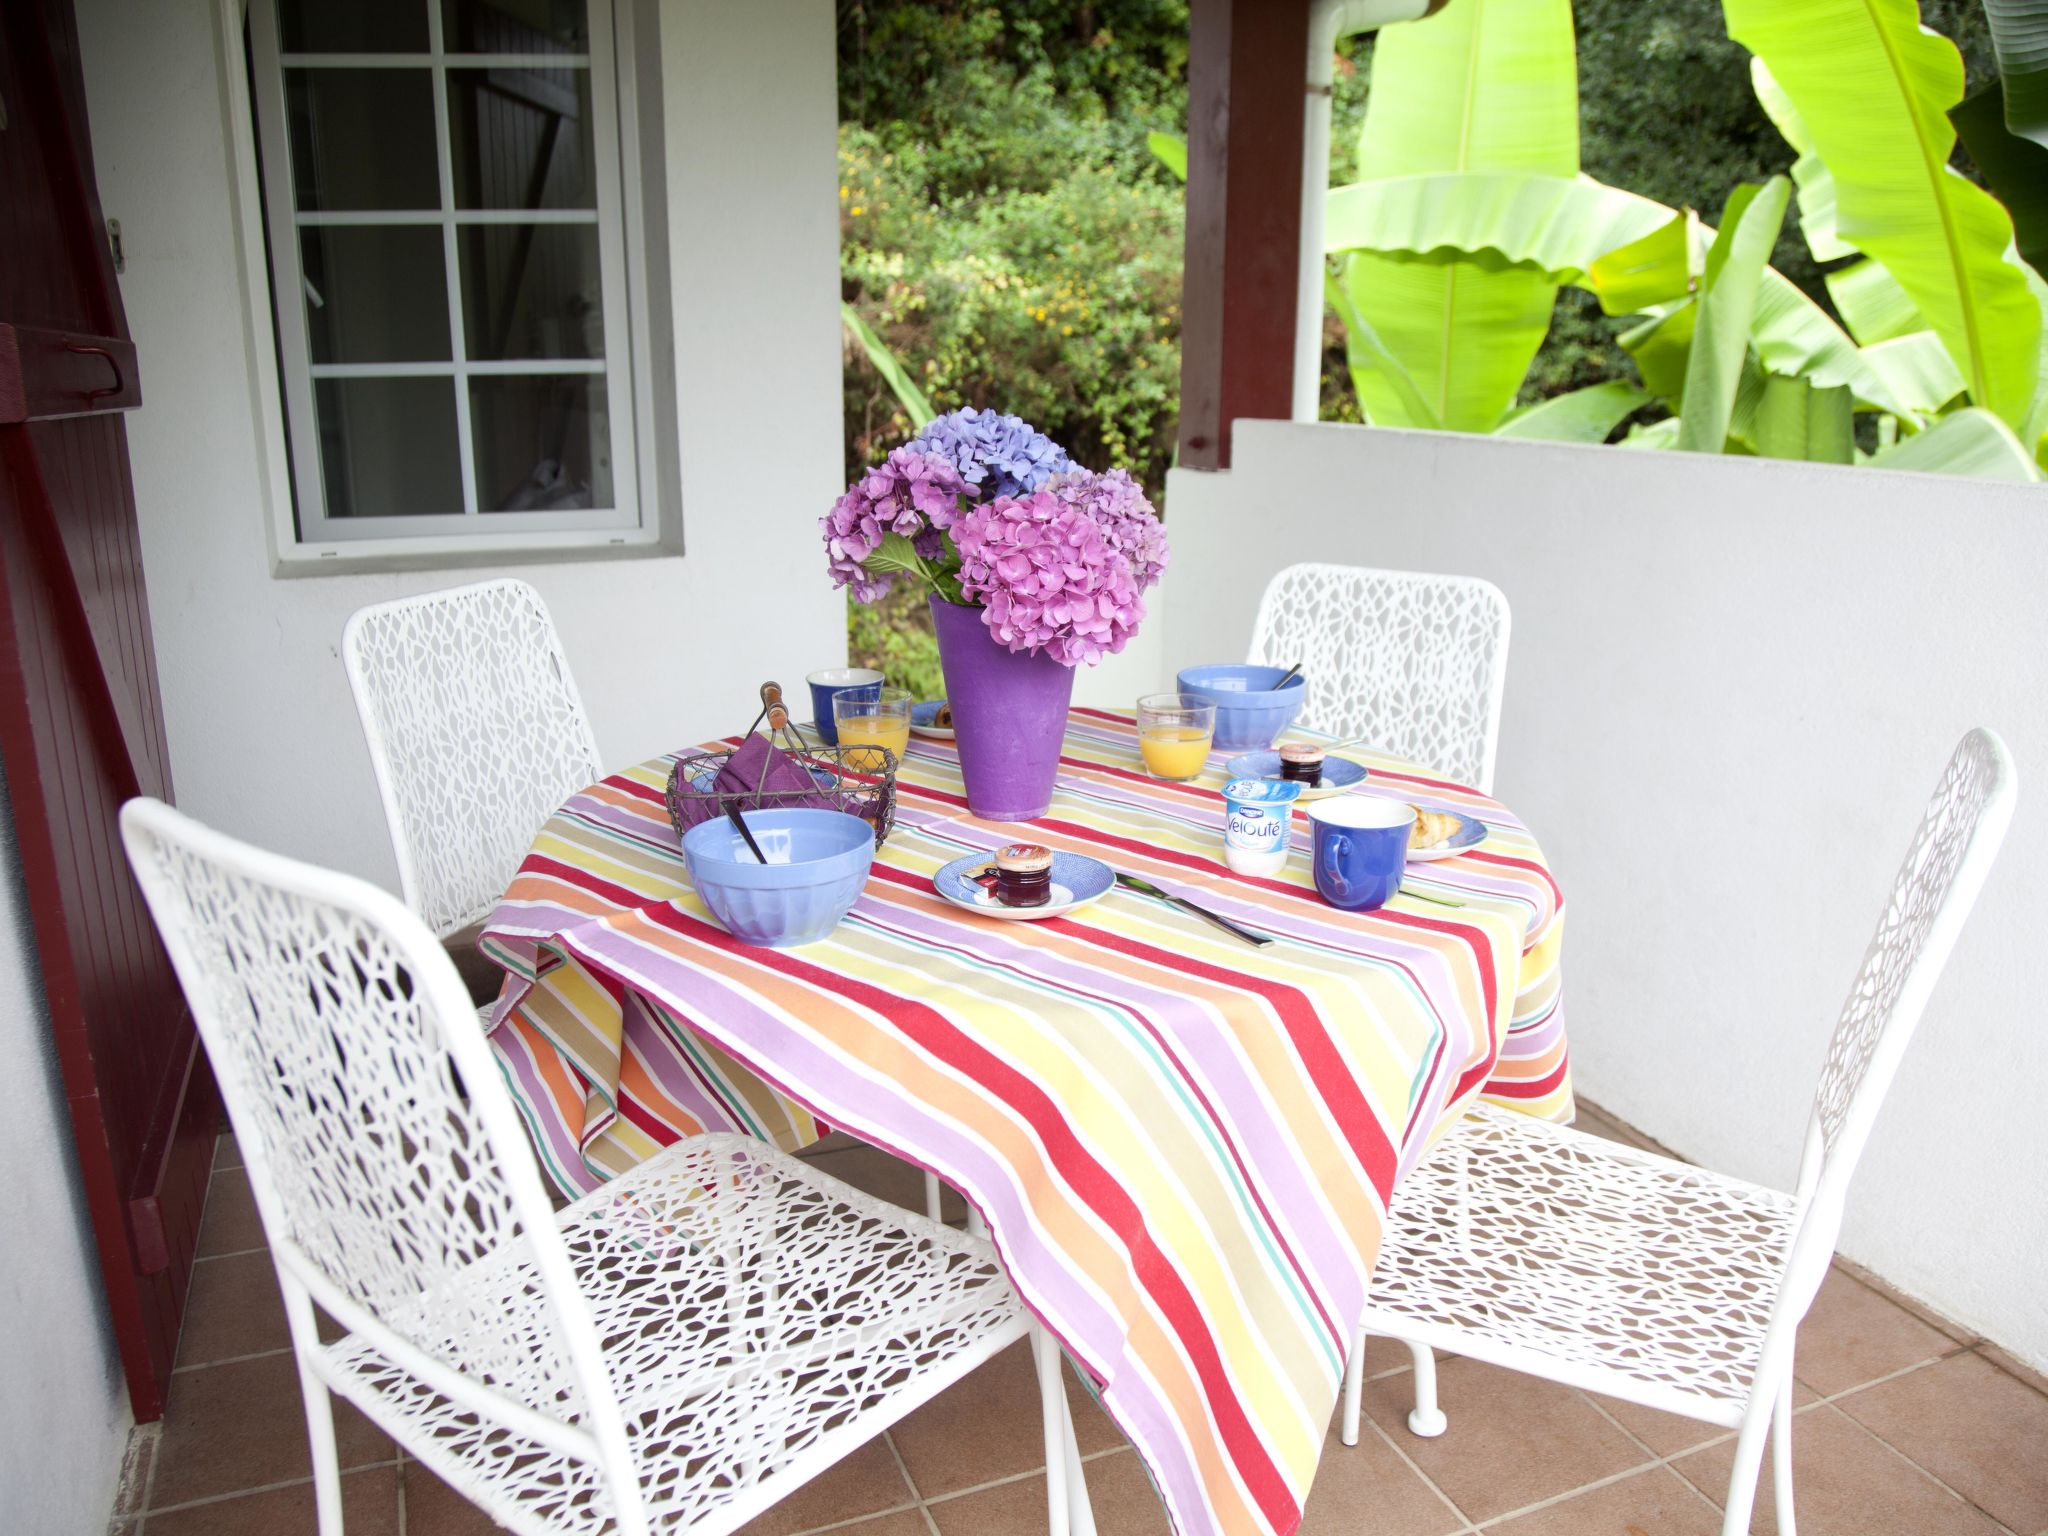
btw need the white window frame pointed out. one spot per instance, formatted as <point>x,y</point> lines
<point>625,367</point>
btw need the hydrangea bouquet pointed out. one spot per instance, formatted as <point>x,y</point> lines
<point>985,511</point>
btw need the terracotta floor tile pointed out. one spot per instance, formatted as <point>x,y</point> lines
<point>1118,1490</point>
<point>1852,1335</point>
<point>1920,1309</point>
<point>865,1483</point>
<point>1847,1484</point>
<point>432,1508</point>
<point>230,1224</point>
<point>1653,1503</point>
<point>2016,1368</point>
<point>906,1522</point>
<point>887,1177</point>
<point>227,1152</point>
<point>233,1427</point>
<point>369,1507</point>
<point>1513,1439</point>
<point>1367,1488</point>
<point>235,1309</point>
<point>1972,1426</point>
<point>987,1427</point>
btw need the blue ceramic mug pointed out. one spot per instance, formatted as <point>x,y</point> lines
<point>861,682</point>
<point>1361,849</point>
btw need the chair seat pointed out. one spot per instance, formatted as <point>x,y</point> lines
<point>1544,1249</point>
<point>759,1320</point>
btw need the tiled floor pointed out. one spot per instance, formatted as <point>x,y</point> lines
<point>1906,1426</point>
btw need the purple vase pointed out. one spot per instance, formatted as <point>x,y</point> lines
<point>1009,715</point>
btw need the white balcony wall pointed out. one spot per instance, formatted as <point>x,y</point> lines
<point>1732,685</point>
<point>667,650</point>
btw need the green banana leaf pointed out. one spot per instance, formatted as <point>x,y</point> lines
<point>1170,151</point>
<point>1726,307</point>
<point>1794,420</point>
<point>1658,434</point>
<point>2015,166</point>
<point>1375,372</point>
<point>1872,304</point>
<point>1582,416</point>
<point>1872,89</point>
<point>1484,85</point>
<point>1971,442</point>
<point>1662,266</point>
<point>2019,35</point>
<point>1557,226</point>
<point>1660,347</point>
<point>1817,217</point>
<point>1918,369</point>
<point>915,403</point>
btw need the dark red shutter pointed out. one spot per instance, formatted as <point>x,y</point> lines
<point>81,723</point>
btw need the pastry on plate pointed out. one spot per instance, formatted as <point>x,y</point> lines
<point>1431,828</point>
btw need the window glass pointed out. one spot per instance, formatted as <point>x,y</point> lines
<point>542,443</point>
<point>532,291</point>
<point>375,293</point>
<point>520,138</point>
<point>362,138</point>
<point>387,447</point>
<point>515,26</point>
<point>358,26</point>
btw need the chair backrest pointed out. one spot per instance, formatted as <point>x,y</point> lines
<point>1414,663</point>
<point>343,1043</point>
<point>476,732</point>
<point>1930,899</point>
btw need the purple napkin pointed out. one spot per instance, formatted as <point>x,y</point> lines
<point>743,779</point>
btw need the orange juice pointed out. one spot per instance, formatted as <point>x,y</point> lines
<point>1174,751</point>
<point>888,731</point>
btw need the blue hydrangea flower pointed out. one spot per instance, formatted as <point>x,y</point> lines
<point>996,455</point>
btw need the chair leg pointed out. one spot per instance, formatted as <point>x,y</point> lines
<point>1749,1460</point>
<point>1052,1401</point>
<point>1781,1455</point>
<point>1425,1418</point>
<point>1354,1389</point>
<point>1080,1512</point>
<point>319,1408</point>
<point>931,1195</point>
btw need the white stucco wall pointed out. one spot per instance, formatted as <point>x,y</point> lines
<point>1732,685</point>
<point>63,1406</point>
<point>263,735</point>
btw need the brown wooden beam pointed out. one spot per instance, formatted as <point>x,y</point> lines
<point>1247,74</point>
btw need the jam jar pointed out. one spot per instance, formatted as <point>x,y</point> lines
<point>1023,875</point>
<point>1301,763</point>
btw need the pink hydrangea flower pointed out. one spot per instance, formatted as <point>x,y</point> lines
<point>1049,577</point>
<point>1119,504</point>
<point>914,494</point>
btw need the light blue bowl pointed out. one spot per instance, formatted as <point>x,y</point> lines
<point>817,863</point>
<point>1250,712</point>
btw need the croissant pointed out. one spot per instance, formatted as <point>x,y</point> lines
<point>1431,828</point>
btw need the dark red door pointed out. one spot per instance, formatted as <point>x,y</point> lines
<point>81,724</point>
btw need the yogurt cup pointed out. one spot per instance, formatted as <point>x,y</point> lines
<point>1258,814</point>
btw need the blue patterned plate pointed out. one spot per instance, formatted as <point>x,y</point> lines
<point>1470,834</point>
<point>1339,773</point>
<point>924,720</point>
<point>1076,881</point>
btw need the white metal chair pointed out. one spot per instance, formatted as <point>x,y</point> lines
<point>1550,1251</point>
<point>1414,663</point>
<point>675,1352</point>
<point>477,735</point>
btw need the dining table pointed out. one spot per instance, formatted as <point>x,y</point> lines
<point>1182,1144</point>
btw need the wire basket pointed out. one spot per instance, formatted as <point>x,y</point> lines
<point>858,780</point>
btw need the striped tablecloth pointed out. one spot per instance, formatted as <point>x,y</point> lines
<point>1183,1145</point>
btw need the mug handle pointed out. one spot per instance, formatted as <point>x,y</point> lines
<point>1332,853</point>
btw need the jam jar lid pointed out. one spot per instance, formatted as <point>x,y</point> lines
<point>1301,752</point>
<point>1024,858</point>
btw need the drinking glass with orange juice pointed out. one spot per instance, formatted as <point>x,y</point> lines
<point>1175,731</point>
<point>882,721</point>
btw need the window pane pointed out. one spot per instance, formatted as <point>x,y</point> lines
<point>360,26</point>
<point>376,294</point>
<point>514,26</point>
<point>388,447</point>
<point>521,138</point>
<point>542,444</point>
<point>532,290</point>
<point>363,138</point>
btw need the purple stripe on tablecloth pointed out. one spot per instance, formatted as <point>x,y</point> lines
<point>562,1145</point>
<point>669,1065</point>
